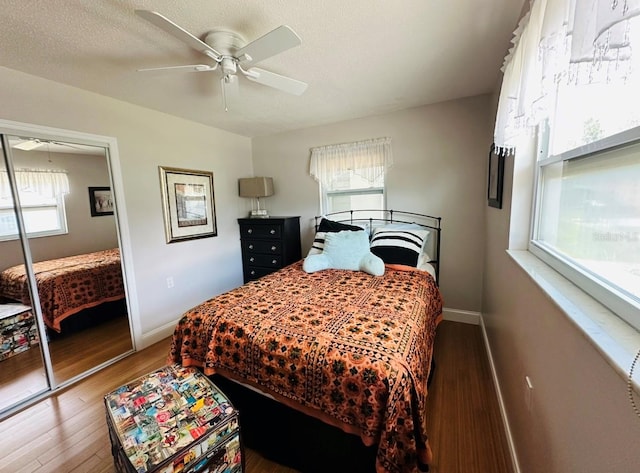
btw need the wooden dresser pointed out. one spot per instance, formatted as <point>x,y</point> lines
<point>268,244</point>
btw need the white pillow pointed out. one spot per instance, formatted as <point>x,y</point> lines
<point>345,250</point>
<point>427,267</point>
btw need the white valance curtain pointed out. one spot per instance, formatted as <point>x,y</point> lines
<point>46,183</point>
<point>577,41</point>
<point>369,159</point>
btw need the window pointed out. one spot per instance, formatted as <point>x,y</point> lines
<point>587,223</point>
<point>573,76</point>
<point>349,191</point>
<point>41,194</point>
<point>352,175</point>
<point>586,113</point>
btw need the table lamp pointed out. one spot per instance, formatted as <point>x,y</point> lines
<point>256,187</point>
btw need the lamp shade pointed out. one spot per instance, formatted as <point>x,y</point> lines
<point>255,186</point>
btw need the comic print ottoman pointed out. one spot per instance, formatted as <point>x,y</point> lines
<point>174,420</point>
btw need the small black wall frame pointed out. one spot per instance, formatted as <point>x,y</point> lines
<point>495,178</point>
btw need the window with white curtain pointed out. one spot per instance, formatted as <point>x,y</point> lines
<point>572,80</point>
<point>41,193</point>
<point>352,175</point>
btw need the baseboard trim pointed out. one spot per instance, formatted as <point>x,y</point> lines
<point>463,316</point>
<point>503,410</point>
<point>157,334</point>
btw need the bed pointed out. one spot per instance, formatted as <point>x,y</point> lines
<point>67,285</point>
<point>343,346</point>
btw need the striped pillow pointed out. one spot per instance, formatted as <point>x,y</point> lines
<point>318,244</point>
<point>398,246</point>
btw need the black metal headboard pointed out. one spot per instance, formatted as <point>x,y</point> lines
<point>374,218</point>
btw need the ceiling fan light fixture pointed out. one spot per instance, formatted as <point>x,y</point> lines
<point>228,65</point>
<point>229,84</point>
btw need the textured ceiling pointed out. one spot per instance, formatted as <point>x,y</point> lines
<point>359,57</point>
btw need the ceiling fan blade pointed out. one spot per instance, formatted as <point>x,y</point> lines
<point>271,79</point>
<point>28,144</point>
<point>190,68</point>
<point>230,91</point>
<point>178,32</point>
<point>274,42</point>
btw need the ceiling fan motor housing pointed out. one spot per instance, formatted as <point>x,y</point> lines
<point>226,43</point>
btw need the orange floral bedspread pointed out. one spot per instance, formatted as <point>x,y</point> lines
<point>351,349</point>
<point>67,285</point>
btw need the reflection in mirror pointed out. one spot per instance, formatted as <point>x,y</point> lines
<point>22,372</point>
<point>68,210</point>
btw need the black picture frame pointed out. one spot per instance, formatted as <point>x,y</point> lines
<point>188,204</point>
<point>100,201</point>
<point>495,179</point>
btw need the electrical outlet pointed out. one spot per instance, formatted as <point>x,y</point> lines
<point>528,392</point>
<point>170,282</point>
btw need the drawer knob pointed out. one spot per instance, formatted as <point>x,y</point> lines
<point>253,272</point>
<point>272,231</point>
<point>273,248</point>
<point>251,247</point>
<point>250,230</point>
<point>252,259</point>
<point>274,261</point>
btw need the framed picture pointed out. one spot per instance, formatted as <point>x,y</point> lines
<point>496,178</point>
<point>100,201</point>
<point>188,204</point>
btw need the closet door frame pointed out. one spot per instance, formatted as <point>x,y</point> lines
<point>9,128</point>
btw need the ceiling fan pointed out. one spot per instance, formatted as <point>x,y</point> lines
<point>29,144</point>
<point>231,54</point>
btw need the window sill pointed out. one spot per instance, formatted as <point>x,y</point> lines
<point>616,340</point>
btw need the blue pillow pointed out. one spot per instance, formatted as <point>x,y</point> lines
<point>345,250</point>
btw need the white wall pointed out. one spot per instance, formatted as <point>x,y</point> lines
<point>581,419</point>
<point>440,154</point>
<point>147,139</point>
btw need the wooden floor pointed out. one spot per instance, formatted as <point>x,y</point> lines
<point>68,433</point>
<point>464,423</point>
<point>79,351</point>
<point>72,354</point>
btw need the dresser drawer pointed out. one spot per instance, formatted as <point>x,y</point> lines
<point>257,259</point>
<point>260,231</point>
<point>254,272</point>
<point>262,246</point>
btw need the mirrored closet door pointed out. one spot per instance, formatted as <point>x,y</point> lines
<point>71,242</point>
<point>22,368</point>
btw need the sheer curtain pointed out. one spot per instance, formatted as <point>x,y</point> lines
<point>369,159</point>
<point>562,41</point>
<point>47,184</point>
